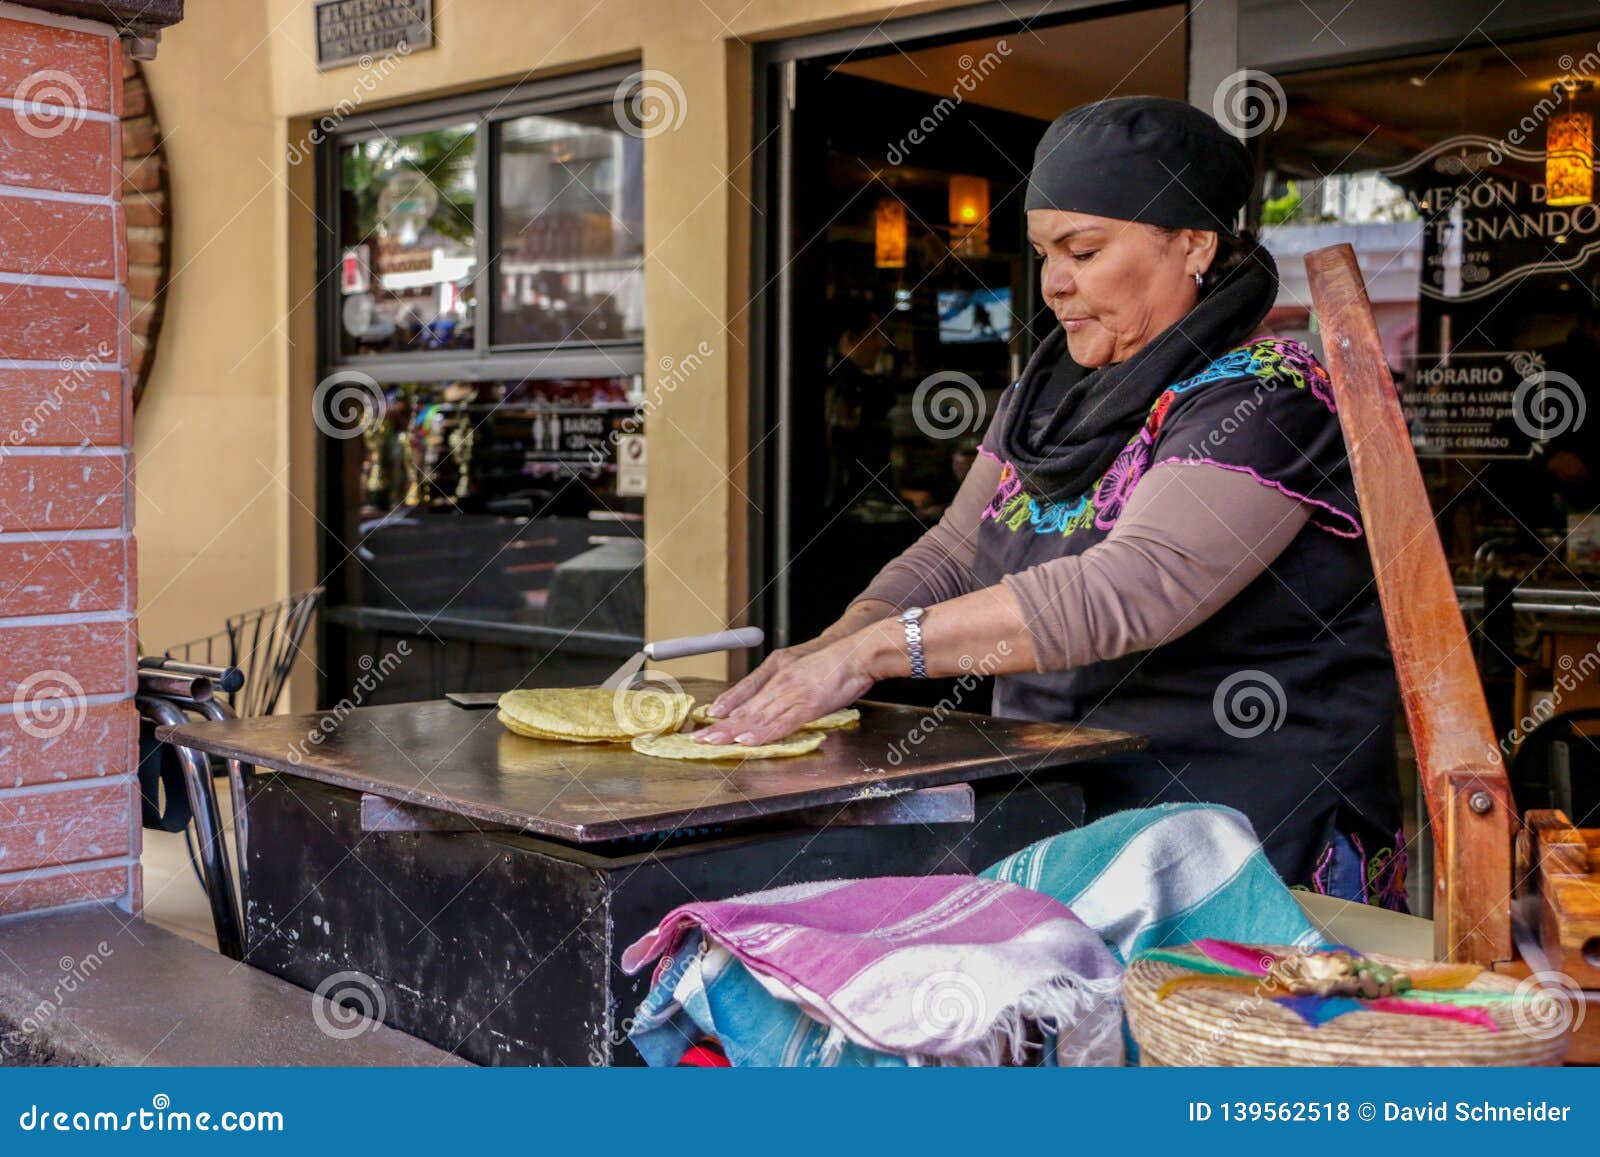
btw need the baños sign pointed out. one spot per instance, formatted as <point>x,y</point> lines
<point>357,31</point>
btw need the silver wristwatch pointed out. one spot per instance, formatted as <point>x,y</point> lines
<point>911,619</point>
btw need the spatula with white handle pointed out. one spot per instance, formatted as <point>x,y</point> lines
<point>660,652</point>
<point>731,640</point>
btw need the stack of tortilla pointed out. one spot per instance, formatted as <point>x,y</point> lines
<point>649,720</point>
<point>593,714</point>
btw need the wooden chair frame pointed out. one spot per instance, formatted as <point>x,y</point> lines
<point>1517,895</point>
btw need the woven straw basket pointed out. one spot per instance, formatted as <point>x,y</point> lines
<point>1215,1026</point>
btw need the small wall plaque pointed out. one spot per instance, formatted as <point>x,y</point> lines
<point>350,31</point>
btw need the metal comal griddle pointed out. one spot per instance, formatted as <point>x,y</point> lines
<point>437,755</point>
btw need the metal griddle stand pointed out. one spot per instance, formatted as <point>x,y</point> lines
<point>487,884</point>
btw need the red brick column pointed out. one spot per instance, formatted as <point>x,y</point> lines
<point>69,816</point>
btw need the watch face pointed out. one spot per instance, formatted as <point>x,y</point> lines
<point>911,614</point>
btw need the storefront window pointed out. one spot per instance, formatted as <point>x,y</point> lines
<point>500,502</point>
<point>1465,183</point>
<point>484,486</point>
<point>570,230</point>
<point>1444,173</point>
<point>916,349</point>
<point>407,249</point>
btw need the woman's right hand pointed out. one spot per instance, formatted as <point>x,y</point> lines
<point>857,615</point>
<point>723,705</point>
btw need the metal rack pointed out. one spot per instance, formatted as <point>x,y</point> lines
<point>259,645</point>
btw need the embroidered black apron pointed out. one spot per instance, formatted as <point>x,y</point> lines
<point>1282,703</point>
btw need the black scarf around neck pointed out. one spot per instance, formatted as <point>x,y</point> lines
<point>1100,409</point>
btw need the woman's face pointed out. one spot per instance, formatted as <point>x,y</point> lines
<point>1113,285</point>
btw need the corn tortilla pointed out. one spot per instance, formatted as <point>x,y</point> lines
<point>593,714</point>
<point>832,721</point>
<point>519,728</point>
<point>681,745</point>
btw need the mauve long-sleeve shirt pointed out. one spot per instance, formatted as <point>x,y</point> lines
<point>1190,538</point>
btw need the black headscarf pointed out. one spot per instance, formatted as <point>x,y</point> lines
<point>1161,162</point>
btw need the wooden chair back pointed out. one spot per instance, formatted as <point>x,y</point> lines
<point>1463,775</point>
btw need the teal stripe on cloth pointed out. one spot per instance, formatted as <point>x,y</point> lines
<point>1164,875</point>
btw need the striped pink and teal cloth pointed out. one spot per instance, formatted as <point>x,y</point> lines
<point>935,969</point>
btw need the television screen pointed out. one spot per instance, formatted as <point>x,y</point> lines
<point>974,315</point>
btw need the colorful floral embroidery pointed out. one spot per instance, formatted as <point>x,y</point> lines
<point>1158,412</point>
<point>1118,482</point>
<point>1014,509</point>
<point>1383,874</point>
<point>1270,359</point>
<point>1277,357</point>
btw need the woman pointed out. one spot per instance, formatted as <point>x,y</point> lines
<point>1160,534</point>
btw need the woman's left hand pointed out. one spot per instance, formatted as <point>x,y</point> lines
<point>810,687</point>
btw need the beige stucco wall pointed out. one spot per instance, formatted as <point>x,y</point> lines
<point>226,491</point>
<point>208,445</point>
